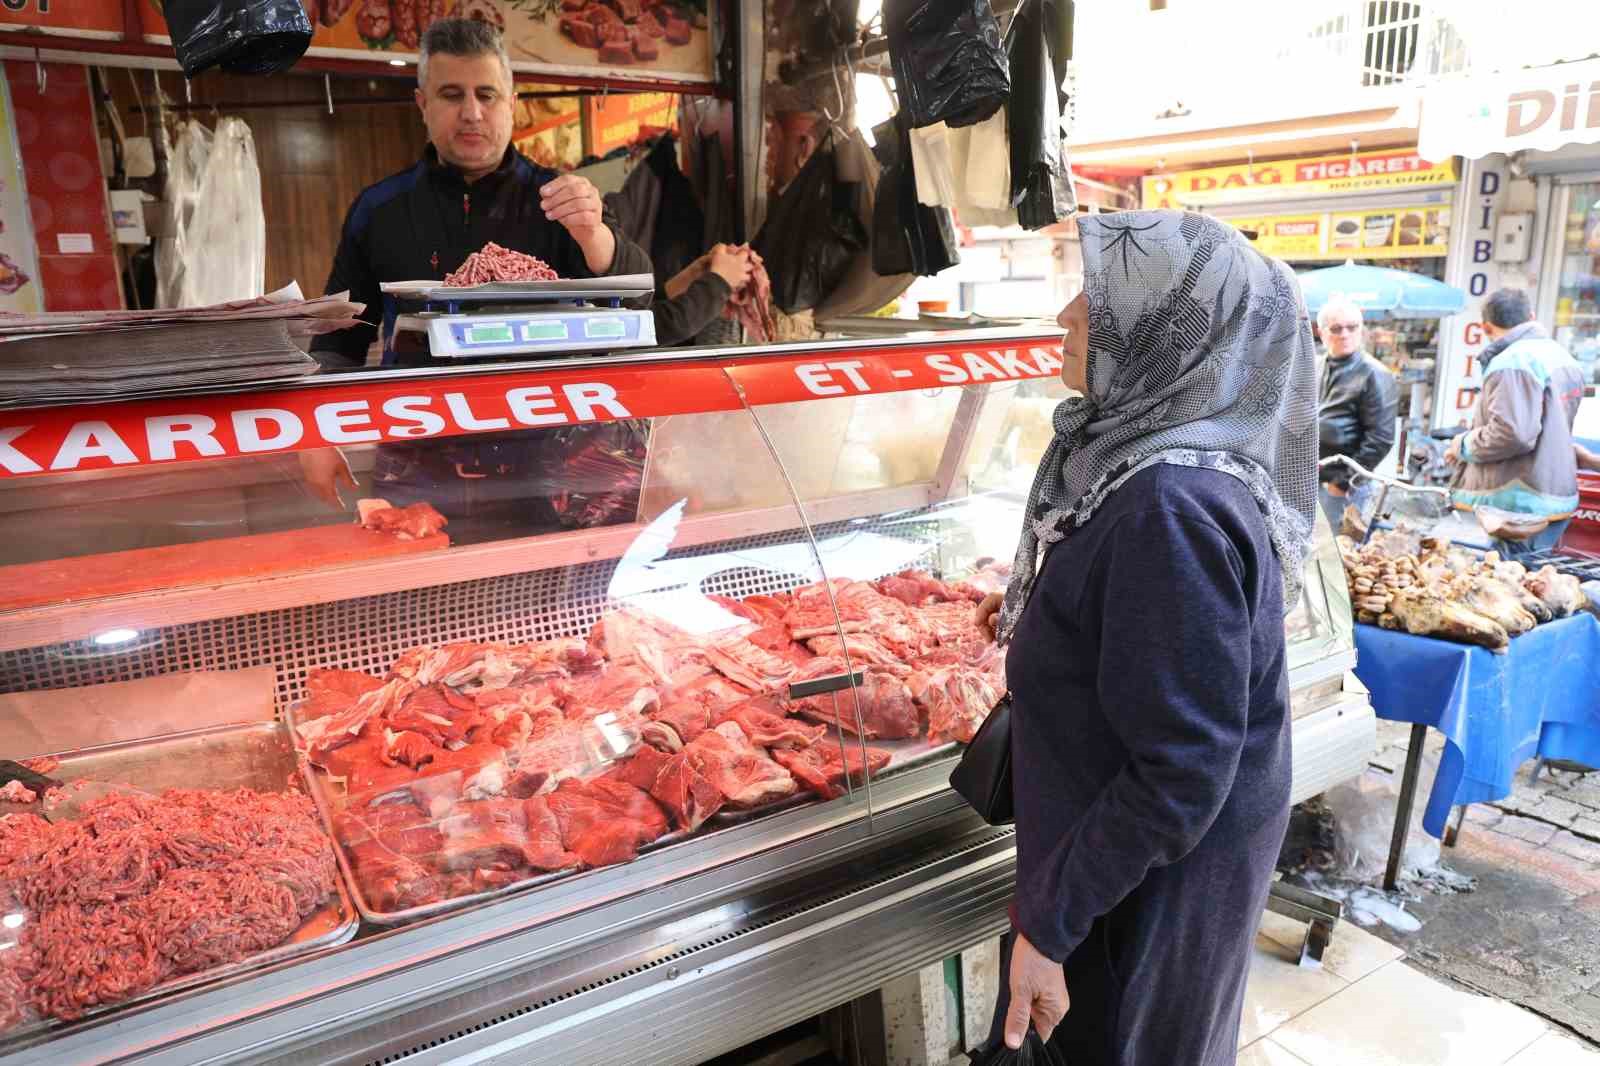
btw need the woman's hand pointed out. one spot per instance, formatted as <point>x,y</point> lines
<point>731,265</point>
<point>989,612</point>
<point>1038,992</point>
<point>324,470</point>
<point>679,283</point>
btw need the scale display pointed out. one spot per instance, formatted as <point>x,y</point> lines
<point>539,332</point>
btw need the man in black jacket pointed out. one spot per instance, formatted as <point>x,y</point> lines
<point>470,188</point>
<point>1356,418</point>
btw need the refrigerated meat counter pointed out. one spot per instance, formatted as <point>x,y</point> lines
<point>642,753</point>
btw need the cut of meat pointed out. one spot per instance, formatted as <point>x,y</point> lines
<point>820,767</point>
<point>715,692</point>
<point>605,821</point>
<point>640,769</point>
<point>679,32</point>
<point>749,666</point>
<point>645,48</point>
<point>545,850</point>
<point>887,709</point>
<point>763,721</point>
<point>862,648</point>
<point>416,522</point>
<point>688,718</point>
<point>743,773</point>
<point>957,699</point>
<point>915,588</point>
<point>583,33</point>
<point>684,790</point>
<point>408,749</point>
<point>351,684</point>
<point>486,834</point>
<point>618,53</point>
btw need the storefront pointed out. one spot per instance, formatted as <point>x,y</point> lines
<point>1385,208</point>
<point>1530,212</point>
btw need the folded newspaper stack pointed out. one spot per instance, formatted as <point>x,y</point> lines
<point>87,356</point>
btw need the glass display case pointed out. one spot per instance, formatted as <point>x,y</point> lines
<point>622,690</point>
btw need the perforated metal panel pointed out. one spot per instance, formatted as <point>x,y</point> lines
<point>369,632</point>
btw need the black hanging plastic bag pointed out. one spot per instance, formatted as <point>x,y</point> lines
<point>948,61</point>
<point>810,235</point>
<point>1041,181</point>
<point>1033,1052</point>
<point>932,230</point>
<point>249,37</point>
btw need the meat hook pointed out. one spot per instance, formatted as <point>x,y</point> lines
<point>327,89</point>
<point>41,76</point>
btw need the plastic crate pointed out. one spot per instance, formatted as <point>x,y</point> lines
<point>1583,534</point>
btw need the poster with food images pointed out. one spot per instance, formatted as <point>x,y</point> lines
<point>621,39</point>
<point>547,129</point>
<point>1390,233</point>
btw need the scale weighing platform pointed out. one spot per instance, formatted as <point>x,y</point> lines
<point>581,315</point>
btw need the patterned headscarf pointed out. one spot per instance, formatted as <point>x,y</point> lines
<point>1200,354</point>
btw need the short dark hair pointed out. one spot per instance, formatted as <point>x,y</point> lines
<point>465,37</point>
<point>1507,308</point>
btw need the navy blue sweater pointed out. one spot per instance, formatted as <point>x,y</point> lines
<point>1151,718</point>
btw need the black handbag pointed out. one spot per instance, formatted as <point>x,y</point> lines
<point>983,776</point>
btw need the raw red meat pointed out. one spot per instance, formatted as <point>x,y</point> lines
<point>916,588</point>
<point>751,306</point>
<point>408,523</point>
<point>351,684</point>
<point>641,768</point>
<point>687,718</point>
<point>645,48</point>
<point>629,10</point>
<point>490,834</point>
<point>989,578</point>
<point>765,723</point>
<point>143,888</point>
<point>862,649</point>
<point>743,773</point>
<point>886,707</point>
<point>820,767</point>
<point>749,666</point>
<point>494,263</point>
<point>604,821</point>
<point>650,25</point>
<point>680,32</point>
<point>545,850</point>
<point>682,787</point>
<point>956,700</point>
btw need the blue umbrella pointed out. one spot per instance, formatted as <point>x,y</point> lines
<point>1379,290</point>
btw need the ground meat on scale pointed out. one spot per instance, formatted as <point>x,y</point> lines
<point>494,263</point>
<point>141,889</point>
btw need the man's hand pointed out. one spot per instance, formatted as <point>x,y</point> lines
<point>1038,992</point>
<point>731,265</point>
<point>1452,454</point>
<point>323,470</point>
<point>989,612</point>
<point>1587,460</point>
<point>574,203</point>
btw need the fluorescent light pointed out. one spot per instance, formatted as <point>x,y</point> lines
<point>115,636</point>
<point>397,62</point>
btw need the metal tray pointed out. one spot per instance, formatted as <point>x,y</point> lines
<point>257,756</point>
<point>328,804</point>
<point>329,801</point>
<point>625,286</point>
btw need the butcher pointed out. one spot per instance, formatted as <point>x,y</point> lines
<point>470,189</point>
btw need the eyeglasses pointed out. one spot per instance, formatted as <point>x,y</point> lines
<point>1347,328</point>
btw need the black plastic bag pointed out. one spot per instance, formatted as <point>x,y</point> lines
<point>810,235</point>
<point>1038,43</point>
<point>1033,1052</point>
<point>948,60</point>
<point>249,37</point>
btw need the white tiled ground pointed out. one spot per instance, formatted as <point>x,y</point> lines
<point>1365,1007</point>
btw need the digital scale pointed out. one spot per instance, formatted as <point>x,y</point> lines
<point>511,318</point>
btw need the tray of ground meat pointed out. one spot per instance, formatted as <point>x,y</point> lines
<point>163,864</point>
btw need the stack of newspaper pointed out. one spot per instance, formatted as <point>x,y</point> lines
<point>87,356</point>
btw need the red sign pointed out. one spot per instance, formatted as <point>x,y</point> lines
<point>180,429</point>
<point>67,18</point>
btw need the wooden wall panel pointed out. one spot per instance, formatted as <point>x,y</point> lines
<point>313,165</point>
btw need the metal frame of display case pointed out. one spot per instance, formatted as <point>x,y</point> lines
<point>690,950</point>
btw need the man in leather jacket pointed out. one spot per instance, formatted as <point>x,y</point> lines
<point>1357,413</point>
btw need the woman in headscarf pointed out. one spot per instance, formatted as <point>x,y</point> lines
<point>1150,722</point>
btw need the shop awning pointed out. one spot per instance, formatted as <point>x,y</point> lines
<point>1542,108</point>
